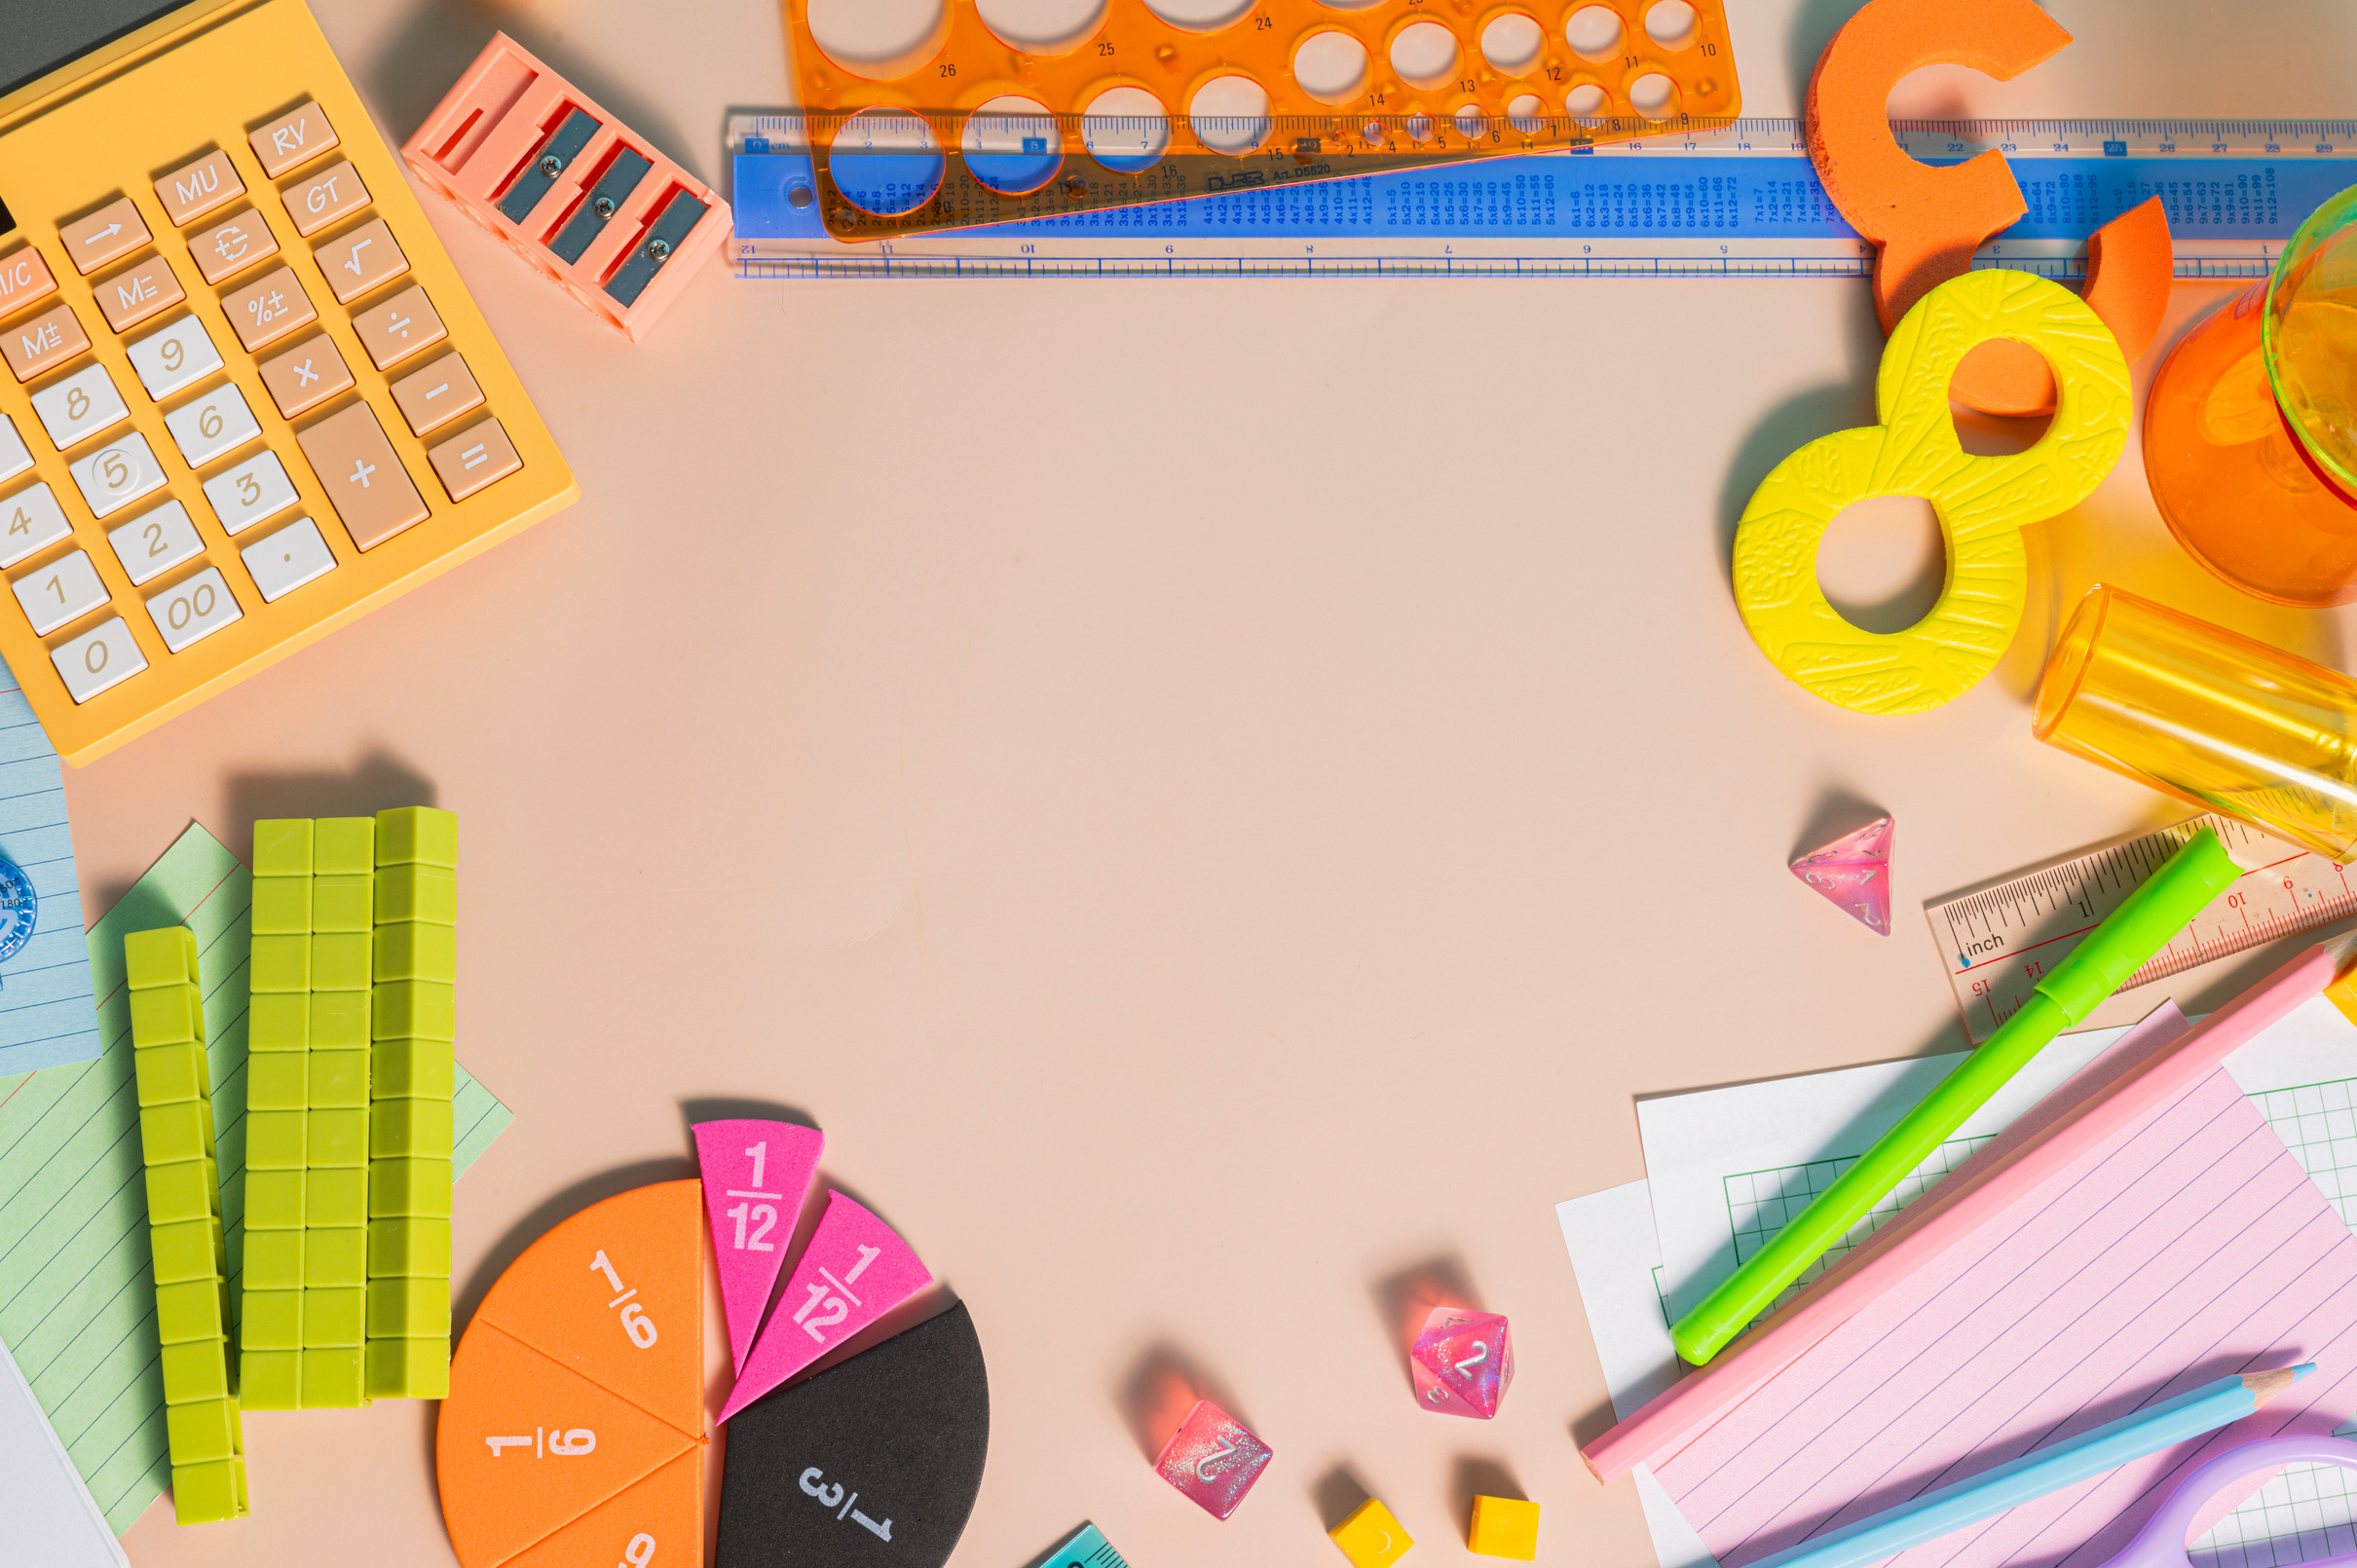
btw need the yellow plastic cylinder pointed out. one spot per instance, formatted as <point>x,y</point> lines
<point>2207,715</point>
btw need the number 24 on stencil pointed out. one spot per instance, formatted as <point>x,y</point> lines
<point>635,1322</point>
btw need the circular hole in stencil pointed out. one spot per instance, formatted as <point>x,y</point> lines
<point>1594,32</point>
<point>1513,43</point>
<point>1041,26</point>
<point>1425,54</point>
<point>1230,114</point>
<point>1418,127</point>
<point>1881,563</point>
<point>1011,144</point>
<point>1672,23</point>
<point>1654,95</point>
<point>1527,114</point>
<point>1585,100</point>
<point>1349,5</point>
<point>799,198</point>
<point>879,39</point>
<point>886,161</point>
<point>1201,15</point>
<point>1126,128</point>
<point>1471,123</point>
<point>1331,67</point>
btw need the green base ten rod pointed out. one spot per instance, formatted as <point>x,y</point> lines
<point>2112,951</point>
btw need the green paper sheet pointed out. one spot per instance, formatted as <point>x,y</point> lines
<point>77,1303</point>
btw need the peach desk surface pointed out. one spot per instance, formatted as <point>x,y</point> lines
<point>1216,795</point>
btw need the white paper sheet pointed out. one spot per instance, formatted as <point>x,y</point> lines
<point>51,1518</point>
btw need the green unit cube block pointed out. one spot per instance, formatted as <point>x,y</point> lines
<point>409,1369</point>
<point>275,1140</point>
<point>343,902</point>
<point>164,1015</point>
<point>185,1249</point>
<point>198,1370</point>
<point>417,832</point>
<point>164,956</point>
<point>274,1259</point>
<point>339,1020</point>
<point>205,1430</point>
<point>273,1198</point>
<point>409,1308</point>
<point>343,846</point>
<point>210,1493</point>
<point>269,1379</point>
<point>276,1080</point>
<point>190,1310</point>
<point>172,1074</point>
<point>272,1320</point>
<point>408,1189</point>
<point>415,1009</point>
<point>169,1133</point>
<point>282,846</point>
<point>333,1379</point>
<point>278,1022</point>
<point>336,1197</point>
<point>279,965</point>
<point>399,1128</point>
<point>335,1139</point>
<point>282,906</point>
<point>429,893</point>
<point>187,1189</point>
<point>399,1248</point>
<point>422,1069</point>
<point>337,1257</point>
<point>339,961</point>
<point>339,1080</point>
<point>415,951</point>
<point>334,1317</point>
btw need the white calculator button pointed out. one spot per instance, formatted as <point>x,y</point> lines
<point>180,355</point>
<point>154,543</point>
<point>13,458</point>
<point>216,422</point>
<point>255,489</point>
<point>287,559</point>
<point>97,658</point>
<point>30,521</point>
<point>117,474</point>
<point>81,405</point>
<point>196,609</point>
<point>64,590</point>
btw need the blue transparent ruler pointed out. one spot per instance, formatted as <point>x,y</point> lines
<point>1735,201</point>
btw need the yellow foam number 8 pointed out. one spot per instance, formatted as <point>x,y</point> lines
<point>1983,503</point>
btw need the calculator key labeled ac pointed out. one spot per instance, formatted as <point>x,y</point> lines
<point>101,657</point>
<point>24,279</point>
<point>294,555</point>
<point>174,356</point>
<point>155,542</point>
<point>80,406</point>
<point>192,611</point>
<point>61,592</point>
<point>211,426</point>
<point>115,475</point>
<point>30,522</point>
<point>249,491</point>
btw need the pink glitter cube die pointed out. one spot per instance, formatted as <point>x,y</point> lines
<point>1461,1363</point>
<point>1212,1459</point>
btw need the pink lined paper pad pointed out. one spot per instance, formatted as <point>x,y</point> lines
<point>2189,1247</point>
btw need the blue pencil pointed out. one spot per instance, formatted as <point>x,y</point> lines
<point>2045,1470</point>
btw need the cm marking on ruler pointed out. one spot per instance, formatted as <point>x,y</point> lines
<point>1998,941</point>
<point>1737,199</point>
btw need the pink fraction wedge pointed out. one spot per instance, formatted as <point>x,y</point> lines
<point>854,1271</point>
<point>756,1177</point>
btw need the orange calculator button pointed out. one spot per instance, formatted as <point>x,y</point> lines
<point>362,475</point>
<point>400,328</point>
<point>316,203</point>
<point>360,260</point>
<point>474,458</point>
<point>306,375</point>
<point>49,339</point>
<point>24,279</point>
<point>188,194</point>
<point>435,396</point>
<point>294,137</point>
<point>269,308</point>
<point>114,230</point>
<point>131,297</point>
<point>233,244</point>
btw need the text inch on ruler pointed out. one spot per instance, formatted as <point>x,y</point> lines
<point>1999,940</point>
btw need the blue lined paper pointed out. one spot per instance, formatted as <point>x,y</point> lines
<point>47,1016</point>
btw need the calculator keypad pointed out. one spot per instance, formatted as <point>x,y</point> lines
<point>153,543</point>
<point>228,247</point>
<point>192,611</point>
<point>180,356</point>
<point>63,591</point>
<point>289,558</point>
<point>99,658</point>
<point>249,492</point>
<point>212,424</point>
<point>43,341</point>
<point>318,201</point>
<point>293,139</point>
<point>15,455</point>
<point>24,279</point>
<point>80,406</point>
<point>400,328</point>
<point>306,375</point>
<point>189,193</point>
<point>114,476</point>
<point>433,395</point>
<point>269,308</point>
<point>114,230</point>
<point>30,522</point>
<point>365,481</point>
<point>138,292</point>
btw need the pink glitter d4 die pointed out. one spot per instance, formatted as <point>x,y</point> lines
<point>1212,1459</point>
<point>1854,871</point>
<point>1461,1363</point>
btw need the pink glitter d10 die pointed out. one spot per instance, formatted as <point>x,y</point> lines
<point>1212,1459</point>
<point>1461,1363</point>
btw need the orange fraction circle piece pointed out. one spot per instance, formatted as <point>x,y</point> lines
<point>568,1414</point>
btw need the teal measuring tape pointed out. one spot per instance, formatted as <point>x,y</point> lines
<point>1737,199</point>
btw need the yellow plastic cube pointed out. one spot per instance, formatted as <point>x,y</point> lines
<point>1370,1537</point>
<point>1504,1527</point>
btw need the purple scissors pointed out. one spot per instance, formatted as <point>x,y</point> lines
<point>2161,1542</point>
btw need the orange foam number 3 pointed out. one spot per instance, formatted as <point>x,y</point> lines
<point>1926,221</point>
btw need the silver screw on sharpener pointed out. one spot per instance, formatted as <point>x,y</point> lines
<point>604,205</point>
<point>552,165</point>
<point>659,248</point>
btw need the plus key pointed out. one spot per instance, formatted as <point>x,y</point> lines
<point>362,475</point>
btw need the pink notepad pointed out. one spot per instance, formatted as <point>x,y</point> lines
<point>2189,1247</point>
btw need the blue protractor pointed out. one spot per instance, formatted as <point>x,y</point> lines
<point>19,908</point>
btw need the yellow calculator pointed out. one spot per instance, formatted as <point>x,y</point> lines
<point>247,399</point>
